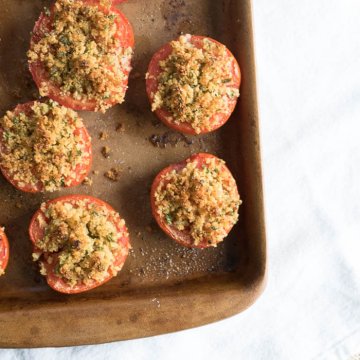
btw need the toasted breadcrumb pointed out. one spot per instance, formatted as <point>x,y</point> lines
<point>195,84</point>
<point>42,146</point>
<point>120,128</point>
<point>103,135</point>
<point>203,201</point>
<point>42,269</point>
<point>36,256</point>
<point>82,238</point>
<point>82,53</point>
<point>105,151</point>
<point>88,181</point>
<point>113,174</point>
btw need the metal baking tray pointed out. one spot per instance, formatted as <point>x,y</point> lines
<point>163,287</point>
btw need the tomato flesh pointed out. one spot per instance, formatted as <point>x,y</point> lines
<point>53,280</point>
<point>40,75</point>
<point>80,171</point>
<point>183,237</point>
<point>4,249</point>
<point>154,70</point>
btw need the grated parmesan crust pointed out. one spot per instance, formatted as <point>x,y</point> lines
<point>82,54</point>
<point>203,201</point>
<point>83,236</point>
<point>41,147</point>
<point>195,84</point>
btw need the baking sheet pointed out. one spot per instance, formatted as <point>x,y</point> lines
<point>144,298</point>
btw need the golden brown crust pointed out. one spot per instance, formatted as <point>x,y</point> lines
<point>42,147</point>
<point>193,84</point>
<point>203,201</point>
<point>82,54</point>
<point>85,239</point>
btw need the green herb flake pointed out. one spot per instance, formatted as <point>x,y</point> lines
<point>65,40</point>
<point>169,219</point>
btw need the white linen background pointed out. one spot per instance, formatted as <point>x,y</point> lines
<point>308,68</point>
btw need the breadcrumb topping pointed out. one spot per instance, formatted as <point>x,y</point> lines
<point>82,239</point>
<point>195,83</point>
<point>42,147</point>
<point>82,53</point>
<point>202,201</point>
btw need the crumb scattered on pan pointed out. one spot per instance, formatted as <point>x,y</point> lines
<point>113,174</point>
<point>149,229</point>
<point>169,138</point>
<point>18,205</point>
<point>105,151</point>
<point>120,128</point>
<point>87,181</point>
<point>96,172</point>
<point>174,13</point>
<point>103,135</point>
<point>178,262</point>
<point>156,302</point>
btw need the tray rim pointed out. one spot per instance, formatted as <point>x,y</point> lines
<point>222,309</point>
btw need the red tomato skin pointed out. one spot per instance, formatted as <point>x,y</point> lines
<point>4,249</point>
<point>39,187</point>
<point>181,237</point>
<point>56,283</point>
<point>151,87</point>
<point>39,74</point>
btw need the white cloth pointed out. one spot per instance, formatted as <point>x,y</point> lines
<point>308,67</point>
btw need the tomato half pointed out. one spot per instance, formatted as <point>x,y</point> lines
<point>183,237</point>
<point>4,250</point>
<point>40,75</point>
<point>56,282</point>
<point>81,170</point>
<point>154,70</point>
